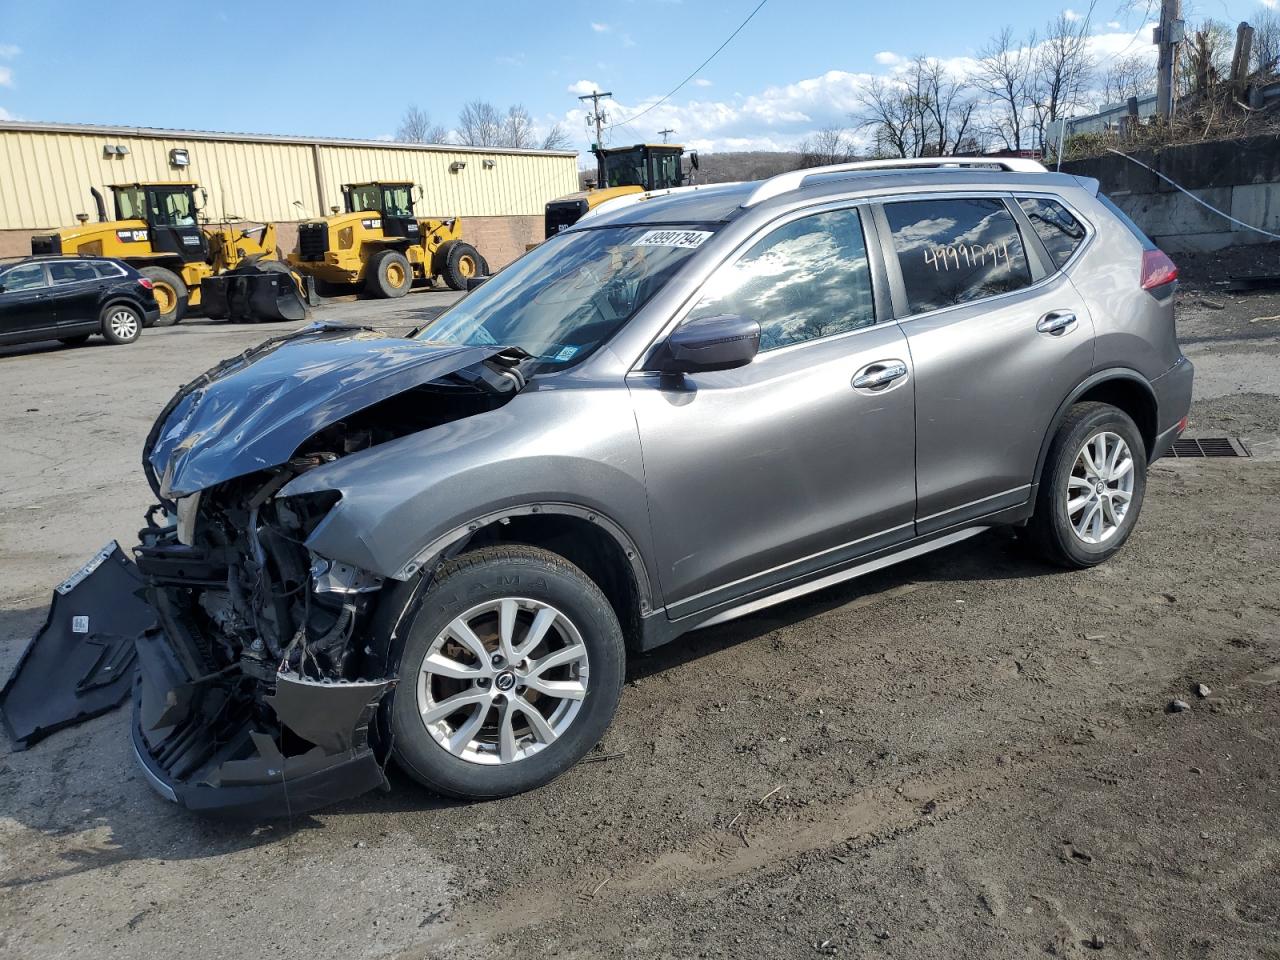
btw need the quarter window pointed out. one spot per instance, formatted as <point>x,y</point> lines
<point>805,280</point>
<point>1059,231</point>
<point>26,277</point>
<point>954,251</point>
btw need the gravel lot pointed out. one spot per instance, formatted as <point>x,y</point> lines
<point>965,756</point>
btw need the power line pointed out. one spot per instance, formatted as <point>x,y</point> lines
<point>698,70</point>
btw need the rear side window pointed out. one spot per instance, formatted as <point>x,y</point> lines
<point>955,251</point>
<point>1059,231</point>
<point>108,270</point>
<point>72,272</point>
<point>806,280</point>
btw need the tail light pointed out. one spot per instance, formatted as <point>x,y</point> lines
<point>146,284</point>
<point>1157,269</point>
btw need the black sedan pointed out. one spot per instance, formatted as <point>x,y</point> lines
<point>72,298</point>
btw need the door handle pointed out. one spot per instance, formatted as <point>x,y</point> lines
<point>1056,322</point>
<point>880,374</point>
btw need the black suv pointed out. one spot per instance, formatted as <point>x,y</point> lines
<point>71,298</point>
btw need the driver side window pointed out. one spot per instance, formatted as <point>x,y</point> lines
<point>809,278</point>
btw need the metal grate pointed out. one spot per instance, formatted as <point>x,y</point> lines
<point>1209,447</point>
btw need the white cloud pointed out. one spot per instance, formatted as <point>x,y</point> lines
<point>701,82</point>
<point>510,60</point>
<point>6,115</point>
<point>6,77</point>
<point>9,50</point>
<point>1272,4</point>
<point>601,27</point>
<point>887,58</point>
<point>1072,15</point>
<point>1115,24</point>
<point>582,87</point>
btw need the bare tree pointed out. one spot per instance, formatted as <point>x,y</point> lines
<point>557,138</point>
<point>480,125</point>
<point>887,112</point>
<point>1131,76</point>
<point>922,112</point>
<point>416,127</point>
<point>1206,57</point>
<point>1062,71</point>
<point>1004,73</point>
<point>828,145</point>
<point>1266,42</point>
<point>517,129</point>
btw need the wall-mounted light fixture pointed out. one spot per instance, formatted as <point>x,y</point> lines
<point>490,163</point>
<point>115,150</point>
<point>179,157</point>
<point>457,165</point>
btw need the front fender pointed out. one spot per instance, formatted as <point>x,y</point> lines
<point>571,451</point>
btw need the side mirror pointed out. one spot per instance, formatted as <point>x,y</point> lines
<point>473,282</point>
<point>710,343</point>
<point>693,159</point>
<point>204,199</point>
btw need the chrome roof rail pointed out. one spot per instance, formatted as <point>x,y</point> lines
<point>794,179</point>
<point>627,199</point>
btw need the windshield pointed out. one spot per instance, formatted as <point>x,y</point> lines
<point>571,294</point>
<point>625,168</point>
<point>396,201</point>
<point>172,208</point>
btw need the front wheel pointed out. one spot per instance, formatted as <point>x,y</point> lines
<point>511,672</point>
<point>388,274</point>
<point>1092,487</point>
<point>461,262</point>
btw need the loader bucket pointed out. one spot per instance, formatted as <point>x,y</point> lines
<point>254,293</point>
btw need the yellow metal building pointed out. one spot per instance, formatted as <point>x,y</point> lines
<point>47,169</point>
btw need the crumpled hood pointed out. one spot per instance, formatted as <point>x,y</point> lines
<point>252,412</point>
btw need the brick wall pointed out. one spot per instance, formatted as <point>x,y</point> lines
<point>499,239</point>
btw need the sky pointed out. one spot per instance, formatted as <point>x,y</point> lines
<point>350,69</point>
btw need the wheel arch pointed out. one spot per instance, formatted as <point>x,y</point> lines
<point>584,536</point>
<point>1123,388</point>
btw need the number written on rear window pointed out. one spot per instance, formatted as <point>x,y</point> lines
<point>1059,231</point>
<point>954,251</point>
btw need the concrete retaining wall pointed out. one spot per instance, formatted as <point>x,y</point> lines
<point>1239,177</point>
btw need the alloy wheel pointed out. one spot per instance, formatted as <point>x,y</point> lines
<point>1100,488</point>
<point>124,324</point>
<point>503,681</point>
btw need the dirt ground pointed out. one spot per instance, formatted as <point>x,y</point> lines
<point>965,756</point>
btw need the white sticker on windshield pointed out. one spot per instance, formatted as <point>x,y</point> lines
<point>688,239</point>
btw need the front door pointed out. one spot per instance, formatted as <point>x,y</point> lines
<point>997,342</point>
<point>25,307</point>
<point>800,460</point>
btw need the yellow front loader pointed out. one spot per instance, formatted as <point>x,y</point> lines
<point>620,171</point>
<point>378,242</point>
<point>156,231</point>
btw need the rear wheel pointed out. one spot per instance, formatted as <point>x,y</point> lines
<point>1092,488</point>
<point>388,274</point>
<point>170,293</point>
<point>511,672</point>
<point>461,262</point>
<point>121,323</point>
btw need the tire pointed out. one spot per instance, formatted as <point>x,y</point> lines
<point>579,617</point>
<point>78,340</point>
<point>388,274</point>
<point>121,323</point>
<point>171,293</point>
<point>1060,533</point>
<point>461,262</point>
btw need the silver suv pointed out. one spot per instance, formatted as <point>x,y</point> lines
<point>692,405</point>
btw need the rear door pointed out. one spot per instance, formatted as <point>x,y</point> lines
<point>74,288</point>
<point>26,309</point>
<point>801,460</point>
<point>998,337</point>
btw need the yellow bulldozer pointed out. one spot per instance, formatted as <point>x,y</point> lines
<point>157,231</point>
<point>620,171</point>
<point>377,241</point>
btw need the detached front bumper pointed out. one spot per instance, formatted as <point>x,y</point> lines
<point>214,754</point>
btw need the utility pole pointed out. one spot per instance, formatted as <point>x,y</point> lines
<point>598,116</point>
<point>1167,36</point>
<point>665,133</point>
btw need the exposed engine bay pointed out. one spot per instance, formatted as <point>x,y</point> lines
<point>263,664</point>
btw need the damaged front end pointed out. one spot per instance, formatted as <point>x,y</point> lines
<point>262,664</point>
